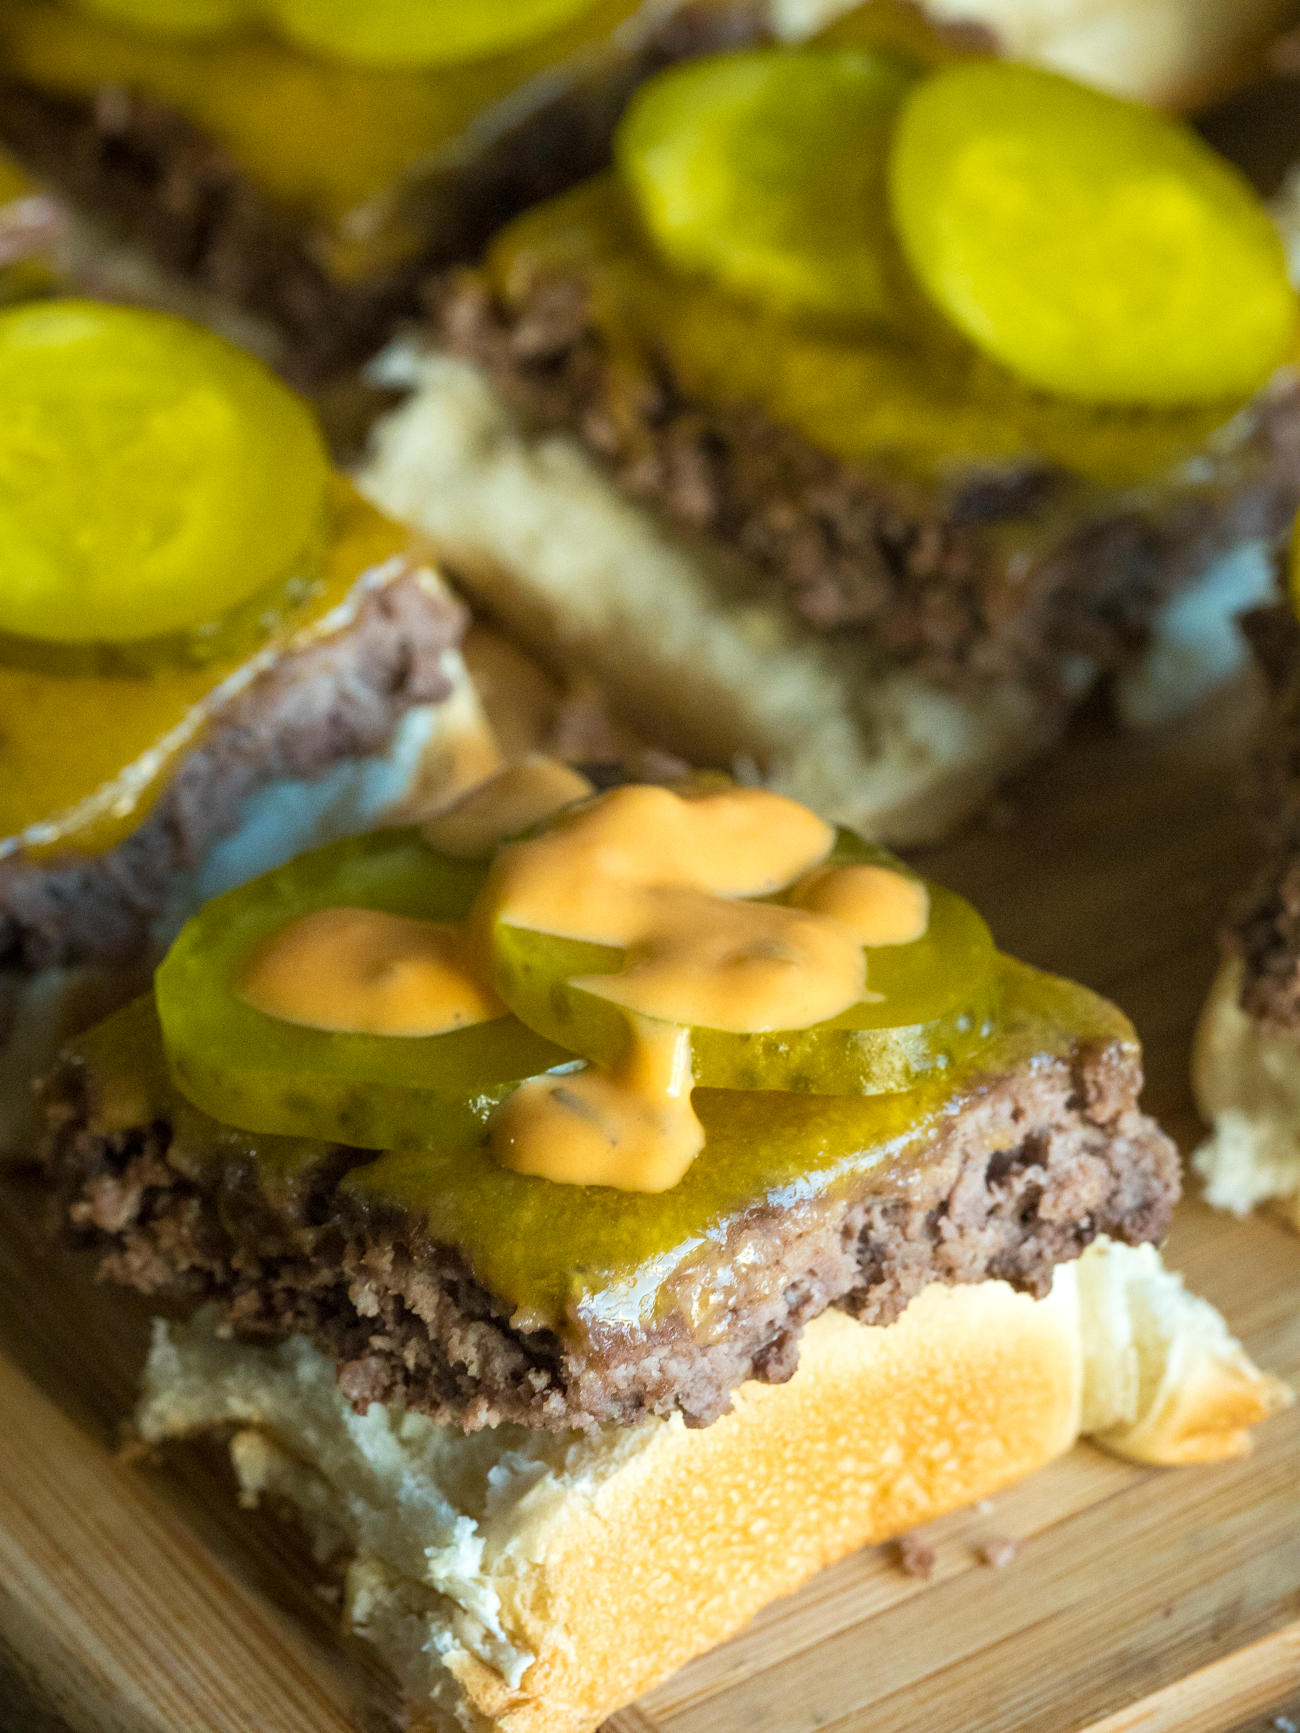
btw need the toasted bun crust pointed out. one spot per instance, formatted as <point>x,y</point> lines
<point>1247,1086</point>
<point>1180,53</point>
<point>531,1583</point>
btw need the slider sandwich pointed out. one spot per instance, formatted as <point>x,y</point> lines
<point>305,161</point>
<point>1176,53</point>
<point>595,1233</point>
<point>213,653</point>
<point>1246,1059</point>
<point>862,419</point>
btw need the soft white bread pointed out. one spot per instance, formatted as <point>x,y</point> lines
<point>702,659</point>
<point>1247,1087</point>
<point>531,1583</point>
<point>1176,52</point>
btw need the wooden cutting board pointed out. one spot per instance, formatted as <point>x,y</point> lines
<point>135,1597</point>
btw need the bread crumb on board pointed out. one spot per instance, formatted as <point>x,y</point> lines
<point>1000,1551</point>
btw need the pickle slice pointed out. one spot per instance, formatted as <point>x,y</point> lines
<point>1098,249</point>
<point>418,32</point>
<point>262,1074</point>
<point>152,476</point>
<point>765,170</point>
<point>938,1006</point>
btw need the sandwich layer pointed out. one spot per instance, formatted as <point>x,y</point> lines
<point>1180,53</point>
<point>627,593</point>
<point>1246,1061</point>
<point>992,568</point>
<point>137,164</point>
<point>522,1581</point>
<point>335,698</point>
<point>1264,929</point>
<point>1246,1078</point>
<point>1005,1170</point>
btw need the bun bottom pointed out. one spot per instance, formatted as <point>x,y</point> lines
<point>526,1582</point>
<point>1247,1086</point>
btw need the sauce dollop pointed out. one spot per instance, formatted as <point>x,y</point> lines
<point>368,973</point>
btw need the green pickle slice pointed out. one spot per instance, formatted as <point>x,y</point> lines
<point>938,1006</point>
<point>374,1091</point>
<point>152,476</point>
<point>765,171</point>
<point>1097,249</point>
<point>247,1069</point>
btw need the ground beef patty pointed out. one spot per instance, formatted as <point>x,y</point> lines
<point>1264,928</point>
<point>1008,572</point>
<point>336,698</point>
<point>1021,1172</point>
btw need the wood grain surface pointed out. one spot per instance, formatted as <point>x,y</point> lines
<point>135,1597</point>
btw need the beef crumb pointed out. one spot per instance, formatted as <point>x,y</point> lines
<point>916,1556</point>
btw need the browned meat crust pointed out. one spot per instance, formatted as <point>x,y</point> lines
<point>1008,573</point>
<point>335,699</point>
<point>143,168</point>
<point>146,169</point>
<point>1027,1169</point>
<point>1264,928</point>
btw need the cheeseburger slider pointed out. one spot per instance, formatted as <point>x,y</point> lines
<point>213,653</point>
<point>595,1233</point>
<point>308,160</point>
<point>1176,53</point>
<point>1246,1061</point>
<point>863,419</point>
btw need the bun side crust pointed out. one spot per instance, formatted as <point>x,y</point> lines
<point>880,1430</point>
<point>1247,1087</point>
